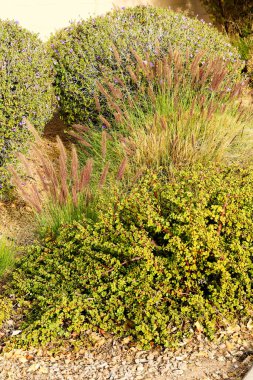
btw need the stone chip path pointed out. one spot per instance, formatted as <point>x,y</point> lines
<point>198,359</point>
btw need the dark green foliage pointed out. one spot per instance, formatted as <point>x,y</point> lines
<point>25,89</point>
<point>234,15</point>
<point>169,254</point>
<point>5,310</point>
<point>244,46</point>
<point>87,50</point>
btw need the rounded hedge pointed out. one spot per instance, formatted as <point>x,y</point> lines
<point>26,91</point>
<point>170,257</point>
<point>84,51</point>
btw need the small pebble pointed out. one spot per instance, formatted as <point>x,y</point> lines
<point>178,372</point>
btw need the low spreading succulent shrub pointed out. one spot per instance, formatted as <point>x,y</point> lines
<point>172,256</point>
<point>25,89</point>
<point>86,50</point>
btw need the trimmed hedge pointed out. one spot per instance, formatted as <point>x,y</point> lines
<point>172,256</point>
<point>84,51</point>
<point>26,89</point>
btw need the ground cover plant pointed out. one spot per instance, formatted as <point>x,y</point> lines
<point>81,56</point>
<point>172,255</point>
<point>25,90</point>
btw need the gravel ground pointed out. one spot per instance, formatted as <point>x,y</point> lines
<point>198,359</point>
<point>16,222</point>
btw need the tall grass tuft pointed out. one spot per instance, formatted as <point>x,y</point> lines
<point>105,150</point>
<point>183,112</point>
<point>62,191</point>
<point>6,254</point>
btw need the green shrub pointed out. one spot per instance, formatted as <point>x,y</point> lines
<point>5,310</point>
<point>235,15</point>
<point>26,89</point>
<point>244,46</point>
<point>172,256</point>
<point>85,50</point>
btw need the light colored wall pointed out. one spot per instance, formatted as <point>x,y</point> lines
<point>46,16</point>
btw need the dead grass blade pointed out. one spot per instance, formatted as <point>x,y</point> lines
<point>75,175</point>
<point>122,169</point>
<point>63,168</point>
<point>85,175</point>
<point>104,175</point>
<point>103,144</point>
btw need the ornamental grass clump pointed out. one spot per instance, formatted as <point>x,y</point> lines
<point>26,90</point>
<point>171,257</point>
<point>86,49</point>
<point>60,191</point>
<point>104,148</point>
<point>181,113</point>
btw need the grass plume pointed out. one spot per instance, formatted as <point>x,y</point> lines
<point>181,113</point>
<point>63,189</point>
